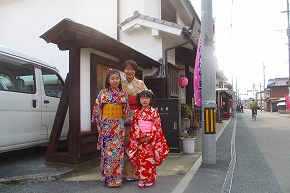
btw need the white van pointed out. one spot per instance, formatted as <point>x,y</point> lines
<point>30,91</point>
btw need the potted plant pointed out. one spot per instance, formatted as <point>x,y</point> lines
<point>186,111</point>
<point>188,140</point>
<point>184,134</point>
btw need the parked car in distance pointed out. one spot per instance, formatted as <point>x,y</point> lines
<point>30,92</point>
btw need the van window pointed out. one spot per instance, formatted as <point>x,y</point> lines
<point>2,80</point>
<point>16,77</point>
<point>53,84</point>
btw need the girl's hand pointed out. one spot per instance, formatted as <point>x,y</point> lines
<point>99,130</point>
<point>143,139</point>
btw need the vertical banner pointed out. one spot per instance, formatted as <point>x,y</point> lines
<point>197,75</point>
<point>287,101</point>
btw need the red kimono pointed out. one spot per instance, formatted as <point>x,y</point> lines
<point>147,155</point>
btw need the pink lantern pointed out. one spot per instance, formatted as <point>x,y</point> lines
<point>183,81</point>
<point>223,103</point>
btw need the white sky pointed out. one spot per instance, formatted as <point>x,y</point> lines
<point>258,35</point>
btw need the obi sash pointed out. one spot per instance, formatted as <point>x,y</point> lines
<point>112,111</point>
<point>145,126</point>
<point>133,102</point>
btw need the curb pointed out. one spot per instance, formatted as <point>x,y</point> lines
<point>44,177</point>
<point>36,178</point>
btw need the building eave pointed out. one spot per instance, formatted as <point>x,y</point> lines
<point>67,33</point>
<point>159,28</point>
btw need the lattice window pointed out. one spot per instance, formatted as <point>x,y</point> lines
<point>173,79</point>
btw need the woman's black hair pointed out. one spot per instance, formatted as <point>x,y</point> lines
<point>146,93</point>
<point>112,71</point>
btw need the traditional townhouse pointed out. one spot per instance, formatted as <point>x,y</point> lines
<point>164,30</point>
<point>277,88</point>
<point>95,35</point>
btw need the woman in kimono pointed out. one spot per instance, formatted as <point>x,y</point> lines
<point>110,115</point>
<point>147,147</point>
<point>131,85</point>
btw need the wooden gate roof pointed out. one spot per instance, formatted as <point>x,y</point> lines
<point>67,33</point>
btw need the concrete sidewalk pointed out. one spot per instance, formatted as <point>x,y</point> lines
<point>174,164</point>
<point>179,165</point>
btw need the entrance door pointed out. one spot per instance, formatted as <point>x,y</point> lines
<point>169,110</point>
<point>102,72</point>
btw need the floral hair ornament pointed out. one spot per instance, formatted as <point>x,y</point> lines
<point>110,69</point>
<point>150,91</point>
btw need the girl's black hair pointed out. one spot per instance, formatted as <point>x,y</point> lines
<point>146,93</point>
<point>113,71</point>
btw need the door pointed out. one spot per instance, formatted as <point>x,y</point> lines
<point>102,72</point>
<point>51,86</point>
<point>169,110</point>
<point>20,110</point>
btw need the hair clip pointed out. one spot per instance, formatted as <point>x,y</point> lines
<point>140,91</point>
<point>110,69</point>
<point>150,91</point>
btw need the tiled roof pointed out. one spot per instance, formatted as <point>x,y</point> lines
<point>279,82</point>
<point>141,16</point>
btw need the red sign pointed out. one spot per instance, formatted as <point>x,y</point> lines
<point>287,101</point>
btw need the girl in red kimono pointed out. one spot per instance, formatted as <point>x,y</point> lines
<point>110,115</point>
<point>147,147</point>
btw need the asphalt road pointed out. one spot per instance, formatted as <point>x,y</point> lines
<point>252,156</point>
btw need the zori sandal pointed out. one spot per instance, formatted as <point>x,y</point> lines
<point>131,179</point>
<point>141,184</point>
<point>148,185</point>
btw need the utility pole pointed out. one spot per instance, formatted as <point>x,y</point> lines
<point>288,34</point>
<point>260,94</point>
<point>264,104</point>
<point>253,90</point>
<point>238,94</point>
<point>208,85</point>
<point>236,91</point>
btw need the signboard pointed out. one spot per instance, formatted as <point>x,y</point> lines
<point>287,101</point>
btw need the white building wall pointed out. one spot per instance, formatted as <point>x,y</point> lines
<point>170,53</point>
<point>24,21</point>
<point>144,42</point>
<point>141,40</point>
<point>151,8</point>
<point>85,102</point>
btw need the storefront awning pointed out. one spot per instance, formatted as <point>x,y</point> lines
<point>224,90</point>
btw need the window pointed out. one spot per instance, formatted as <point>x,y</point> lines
<point>53,84</point>
<point>173,74</point>
<point>16,76</point>
<point>2,80</point>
